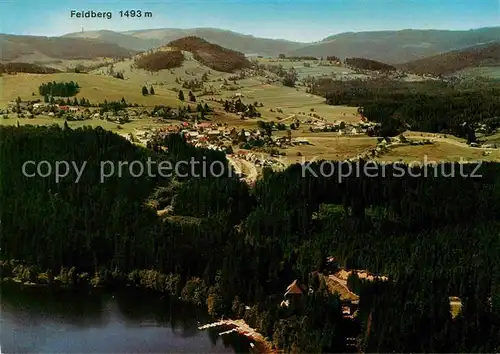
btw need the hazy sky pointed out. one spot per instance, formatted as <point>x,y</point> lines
<point>300,20</point>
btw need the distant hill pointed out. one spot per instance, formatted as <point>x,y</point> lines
<point>449,63</point>
<point>151,38</point>
<point>123,40</point>
<point>398,46</point>
<point>367,64</point>
<point>58,47</point>
<point>211,55</point>
<point>391,47</point>
<point>26,68</point>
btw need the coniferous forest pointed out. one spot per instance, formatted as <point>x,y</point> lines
<point>225,245</point>
<point>62,89</point>
<point>427,106</point>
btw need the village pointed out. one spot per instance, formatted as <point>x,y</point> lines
<point>249,150</point>
<point>264,143</point>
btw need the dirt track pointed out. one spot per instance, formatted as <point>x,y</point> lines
<point>244,167</point>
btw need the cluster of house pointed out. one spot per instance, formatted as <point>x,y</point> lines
<point>259,160</point>
<point>35,107</point>
<point>205,135</point>
<point>343,128</point>
<point>219,136</point>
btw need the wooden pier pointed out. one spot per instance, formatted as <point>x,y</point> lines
<point>239,326</point>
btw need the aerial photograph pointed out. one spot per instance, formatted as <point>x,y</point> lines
<point>249,176</point>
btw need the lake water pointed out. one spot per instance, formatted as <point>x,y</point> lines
<point>43,320</point>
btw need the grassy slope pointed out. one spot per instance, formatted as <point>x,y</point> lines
<point>291,101</point>
<point>93,87</point>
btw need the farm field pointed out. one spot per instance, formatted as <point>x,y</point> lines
<point>130,127</point>
<point>331,147</point>
<point>438,152</point>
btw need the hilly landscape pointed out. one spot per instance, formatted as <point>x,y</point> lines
<point>38,48</point>
<point>339,223</point>
<point>452,62</point>
<point>211,55</point>
<point>392,47</point>
<point>148,39</point>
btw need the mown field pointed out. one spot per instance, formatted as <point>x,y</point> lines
<point>437,152</point>
<point>331,147</point>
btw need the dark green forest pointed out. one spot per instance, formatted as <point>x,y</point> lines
<point>434,106</point>
<point>60,89</point>
<point>225,245</point>
<point>367,64</point>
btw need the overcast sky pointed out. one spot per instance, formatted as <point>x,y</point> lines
<point>299,20</point>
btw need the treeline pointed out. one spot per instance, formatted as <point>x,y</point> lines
<point>434,236</point>
<point>61,89</point>
<point>332,58</point>
<point>212,55</point>
<point>160,60</point>
<point>9,68</point>
<point>83,102</point>
<point>368,64</point>
<point>296,58</point>
<point>458,114</point>
<point>452,62</point>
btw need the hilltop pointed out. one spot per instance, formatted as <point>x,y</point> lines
<point>39,48</point>
<point>26,68</point>
<point>211,55</point>
<point>452,62</point>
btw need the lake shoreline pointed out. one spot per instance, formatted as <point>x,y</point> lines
<point>105,321</point>
<point>82,281</point>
